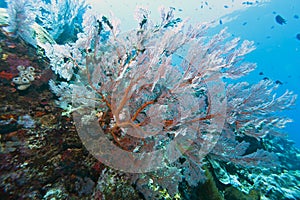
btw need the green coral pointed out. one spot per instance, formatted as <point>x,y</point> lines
<point>209,189</point>
<point>232,193</point>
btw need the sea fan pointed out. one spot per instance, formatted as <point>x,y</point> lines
<point>22,15</point>
<point>158,90</point>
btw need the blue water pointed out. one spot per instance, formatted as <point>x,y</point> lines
<point>277,51</point>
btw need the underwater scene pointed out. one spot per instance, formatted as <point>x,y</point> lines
<point>149,100</point>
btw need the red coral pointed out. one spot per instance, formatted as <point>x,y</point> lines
<point>7,75</point>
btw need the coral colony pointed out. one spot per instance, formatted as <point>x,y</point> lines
<point>159,88</point>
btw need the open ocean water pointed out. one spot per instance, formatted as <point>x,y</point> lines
<point>277,51</point>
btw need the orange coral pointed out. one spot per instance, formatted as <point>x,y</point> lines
<point>6,75</point>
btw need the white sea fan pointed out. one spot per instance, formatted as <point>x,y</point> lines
<point>22,14</point>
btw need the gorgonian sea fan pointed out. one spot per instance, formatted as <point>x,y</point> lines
<point>21,14</point>
<point>151,85</point>
<point>144,98</point>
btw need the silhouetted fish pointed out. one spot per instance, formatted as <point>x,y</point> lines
<point>265,78</point>
<point>298,36</point>
<point>278,82</point>
<point>247,3</point>
<point>296,16</point>
<point>261,73</point>
<point>280,20</point>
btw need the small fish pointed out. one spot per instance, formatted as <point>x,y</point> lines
<point>107,22</point>
<point>245,23</point>
<point>247,3</point>
<point>225,6</point>
<point>143,22</point>
<point>265,78</point>
<point>278,82</point>
<point>298,36</point>
<point>261,73</point>
<point>280,20</point>
<point>296,16</point>
<point>220,22</point>
<point>11,45</point>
